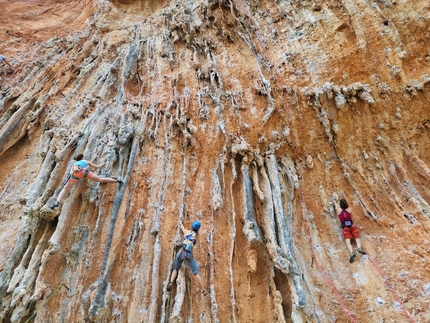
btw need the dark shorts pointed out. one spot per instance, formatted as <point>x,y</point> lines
<point>188,256</point>
<point>78,175</point>
<point>352,232</point>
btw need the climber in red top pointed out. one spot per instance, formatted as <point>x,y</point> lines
<point>349,230</point>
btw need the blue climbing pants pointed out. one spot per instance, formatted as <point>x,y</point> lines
<point>186,255</point>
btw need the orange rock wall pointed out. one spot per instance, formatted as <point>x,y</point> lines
<point>253,117</point>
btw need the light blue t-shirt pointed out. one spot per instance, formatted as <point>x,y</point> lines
<point>81,164</point>
<point>2,58</point>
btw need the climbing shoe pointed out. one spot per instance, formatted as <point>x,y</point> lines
<point>169,287</point>
<point>351,257</point>
<point>206,292</point>
<point>57,204</point>
<point>120,182</point>
<point>361,251</point>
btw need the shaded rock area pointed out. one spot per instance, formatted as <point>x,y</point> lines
<point>252,117</point>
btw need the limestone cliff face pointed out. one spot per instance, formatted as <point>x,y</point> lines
<point>253,117</point>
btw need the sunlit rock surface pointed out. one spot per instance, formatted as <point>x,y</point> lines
<point>253,117</point>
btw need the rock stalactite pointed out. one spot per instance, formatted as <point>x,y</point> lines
<point>253,117</point>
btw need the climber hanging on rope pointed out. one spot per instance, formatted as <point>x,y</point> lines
<point>80,169</point>
<point>186,253</point>
<point>349,229</point>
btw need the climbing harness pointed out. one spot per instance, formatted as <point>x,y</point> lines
<point>187,248</point>
<point>347,220</point>
<point>78,167</point>
<point>186,252</point>
<point>68,262</point>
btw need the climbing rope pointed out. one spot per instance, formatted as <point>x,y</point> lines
<point>308,231</point>
<point>61,284</point>
<point>384,277</point>
<point>44,302</point>
<point>391,290</point>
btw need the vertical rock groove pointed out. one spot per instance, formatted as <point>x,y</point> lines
<point>283,227</point>
<point>250,227</point>
<point>105,267</point>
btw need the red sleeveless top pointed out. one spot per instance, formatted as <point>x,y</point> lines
<point>345,219</point>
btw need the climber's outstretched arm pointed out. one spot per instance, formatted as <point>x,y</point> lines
<point>337,208</point>
<point>96,166</point>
